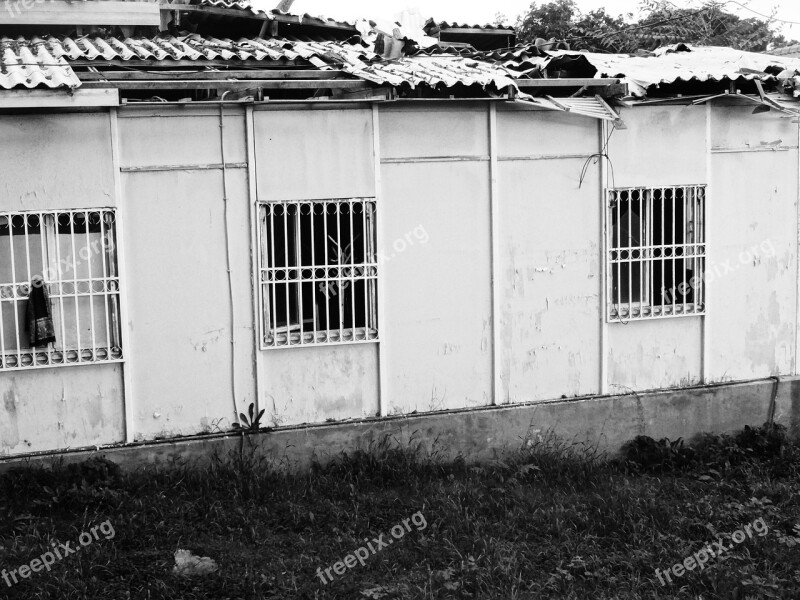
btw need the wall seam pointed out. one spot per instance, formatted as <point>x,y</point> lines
<point>127,375</point>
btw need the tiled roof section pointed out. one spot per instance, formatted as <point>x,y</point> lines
<point>435,71</point>
<point>443,25</point>
<point>30,66</point>
<point>255,8</point>
<point>166,48</point>
<point>355,59</point>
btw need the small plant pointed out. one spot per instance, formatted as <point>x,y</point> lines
<point>253,423</point>
<point>646,454</point>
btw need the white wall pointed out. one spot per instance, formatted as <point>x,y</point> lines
<point>58,161</point>
<point>435,202</point>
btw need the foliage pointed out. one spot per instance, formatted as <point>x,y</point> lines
<point>661,23</point>
<point>251,422</point>
<point>551,519</point>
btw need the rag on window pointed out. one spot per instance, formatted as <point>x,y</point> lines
<point>39,322</point>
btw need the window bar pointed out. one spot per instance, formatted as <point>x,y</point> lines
<point>630,254</point>
<point>665,302</point>
<point>673,253</point>
<point>696,251</point>
<point>366,273</point>
<point>75,283</point>
<point>15,295</point>
<point>91,283</point>
<point>641,232</point>
<point>111,217</point>
<point>701,231</point>
<point>25,218</point>
<point>285,208</point>
<point>618,203</point>
<point>313,274</point>
<point>54,220</point>
<point>298,273</point>
<point>106,283</point>
<point>352,271</point>
<point>370,216</point>
<point>45,262</point>
<point>2,298</point>
<point>273,317</point>
<point>328,328</point>
<point>339,271</point>
<point>684,241</point>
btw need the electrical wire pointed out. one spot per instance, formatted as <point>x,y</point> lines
<point>761,14</point>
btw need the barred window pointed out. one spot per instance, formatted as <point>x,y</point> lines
<point>317,272</point>
<point>656,252</point>
<point>59,289</point>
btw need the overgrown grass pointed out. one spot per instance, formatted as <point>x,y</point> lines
<point>551,520</point>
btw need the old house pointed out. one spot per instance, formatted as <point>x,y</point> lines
<point>205,206</point>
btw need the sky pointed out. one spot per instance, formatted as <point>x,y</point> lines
<point>474,12</point>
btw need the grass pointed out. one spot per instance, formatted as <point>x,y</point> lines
<point>551,520</point>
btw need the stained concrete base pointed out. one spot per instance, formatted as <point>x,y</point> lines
<point>481,434</point>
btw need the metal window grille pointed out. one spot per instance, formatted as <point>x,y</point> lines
<point>73,254</point>
<point>318,272</point>
<point>656,252</point>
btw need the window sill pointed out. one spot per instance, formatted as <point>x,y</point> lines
<point>321,338</point>
<point>638,313</point>
<point>37,359</point>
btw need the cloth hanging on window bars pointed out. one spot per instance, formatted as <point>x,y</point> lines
<point>39,322</point>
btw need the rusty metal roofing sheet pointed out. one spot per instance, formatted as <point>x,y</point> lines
<point>30,66</point>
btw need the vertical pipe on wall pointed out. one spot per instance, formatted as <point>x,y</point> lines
<point>255,271</point>
<point>709,225</point>
<point>383,363</point>
<point>603,342</point>
<point>797,264</point>
<point>495,249</point>
<point>228,256</point>
<point>127,353</point>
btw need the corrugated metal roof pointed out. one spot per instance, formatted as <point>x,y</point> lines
<point>792,51</point>
<point>30,66</point>
<point>257,8</point>
<point>488,27</point>
<point>685,63</point>
<point>354,59</point>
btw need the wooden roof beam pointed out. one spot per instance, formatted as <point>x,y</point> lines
<point>210,75</point>
<point>195,84</point>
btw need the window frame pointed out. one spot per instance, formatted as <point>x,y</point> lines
<point>295,335</point>
<point>16,291</point>
<point>652,257</point>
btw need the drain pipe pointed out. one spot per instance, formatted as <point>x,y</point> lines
<point>773,400</point>
<point>228,257</point>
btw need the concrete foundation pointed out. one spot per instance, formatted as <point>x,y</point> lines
<point>481,434</point>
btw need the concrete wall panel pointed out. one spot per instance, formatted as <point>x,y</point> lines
<point>55,161</point>
<point>314,155</point>
<point>61,408</point>
<point>427,132</point>
<point>550,273</point>
<point>751,267</point>
<point>317,384</point>
<point>438,297</point>
<point>180,300</point>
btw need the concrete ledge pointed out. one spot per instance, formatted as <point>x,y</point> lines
<point>481,434</point>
